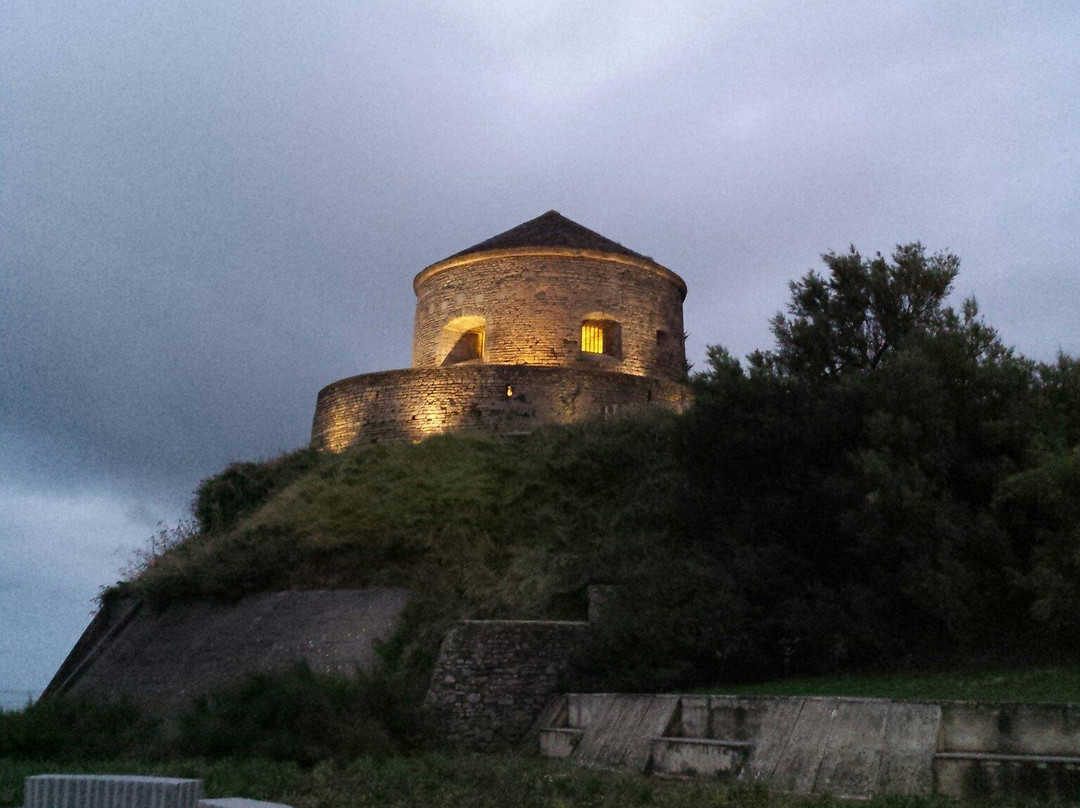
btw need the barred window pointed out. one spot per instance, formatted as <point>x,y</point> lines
<point>601,337</point>
<point>592,338</point>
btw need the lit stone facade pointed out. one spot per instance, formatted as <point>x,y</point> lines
<point>533,304</point>
<point>546,323</point>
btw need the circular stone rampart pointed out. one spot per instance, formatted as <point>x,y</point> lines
<point>531,304</point>
<point>409,405</point>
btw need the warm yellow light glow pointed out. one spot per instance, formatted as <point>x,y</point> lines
<point>509,391</point>
<point>592,338</point>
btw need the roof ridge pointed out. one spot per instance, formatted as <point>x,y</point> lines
<point>550,229</point>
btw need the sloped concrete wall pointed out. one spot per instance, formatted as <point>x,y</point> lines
<point>163,659</point>
<point>851,747</point>
<point>842,746</point>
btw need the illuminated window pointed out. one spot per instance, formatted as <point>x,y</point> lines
<point>592,338</point>
<point>601,337</point>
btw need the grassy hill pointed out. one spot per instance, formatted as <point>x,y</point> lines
<point>509,526</point>
<point>476,526</point>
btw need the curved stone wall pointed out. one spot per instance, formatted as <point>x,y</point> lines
<point>409,405</point>
<point>532,302</point>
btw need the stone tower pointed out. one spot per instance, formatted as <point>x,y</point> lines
<point>546,323</point>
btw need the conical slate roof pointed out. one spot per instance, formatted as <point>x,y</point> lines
<point>552,229</point>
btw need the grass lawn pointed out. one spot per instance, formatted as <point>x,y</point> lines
<point>475,781</point>
<point>1060,684</point>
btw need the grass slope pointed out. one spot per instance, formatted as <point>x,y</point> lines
<point>474,526</point>
<point>440,781</point>
<point>512,526</point>
<point>1036,684</point>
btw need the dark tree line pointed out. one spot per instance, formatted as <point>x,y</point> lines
<point>888,485</point>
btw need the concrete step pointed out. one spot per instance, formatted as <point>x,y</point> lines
<point>698,757</point>
<point>982,775</point>
<point>559,742</point>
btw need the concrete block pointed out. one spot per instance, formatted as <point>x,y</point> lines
<point>110,791</point>
<point>625,730</point>
<point>700,757</point>
<point>603,729</point>
<point>558,742</point>
<point>694,717</point>
<point>798,764</point>
<point>766,721</point>
<point>657,721</point>
<point>907,754</point>
<point>582,708</point>
<point>746,718</point>
<point>852,759</point>
<point>983,776</point>
<point>1034,729</point>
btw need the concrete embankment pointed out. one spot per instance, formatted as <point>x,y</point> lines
<point>842,746</point>
<point>162,659</point>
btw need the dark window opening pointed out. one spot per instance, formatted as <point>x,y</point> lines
<point>469,346</point>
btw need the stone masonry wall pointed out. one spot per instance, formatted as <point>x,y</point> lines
<point>493,677</point>
<point>408,405</point>
<point>533,307</point>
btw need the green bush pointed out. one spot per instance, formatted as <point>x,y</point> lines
<point>78,729</point>
<point>287,715</point>
<point>300,716</point>
<point>221,500</point>
<point>1040,510</point>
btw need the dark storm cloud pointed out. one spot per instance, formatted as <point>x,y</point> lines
<point>209,210</point>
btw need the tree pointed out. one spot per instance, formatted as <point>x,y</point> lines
<point>862,313</point>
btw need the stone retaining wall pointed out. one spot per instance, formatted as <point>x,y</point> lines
<point>493,677</point>
<point>409,405</point>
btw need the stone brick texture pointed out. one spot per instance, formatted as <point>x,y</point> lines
<point>409,405</point>
<point>533,307</point>
<point>493,677</point>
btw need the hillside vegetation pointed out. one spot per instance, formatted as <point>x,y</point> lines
<point>456,781</point>
<point>889,486</point>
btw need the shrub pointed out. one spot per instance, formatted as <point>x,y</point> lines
<point>223,499</point>
<point>1040,509</point>
<point>78,729</point>
<point>293,714</point>
<point>298,715</point>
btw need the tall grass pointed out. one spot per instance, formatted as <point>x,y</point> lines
<point>442,781</point>
<point>285,715</point>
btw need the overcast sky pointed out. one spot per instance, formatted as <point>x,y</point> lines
<point>209,210</point>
